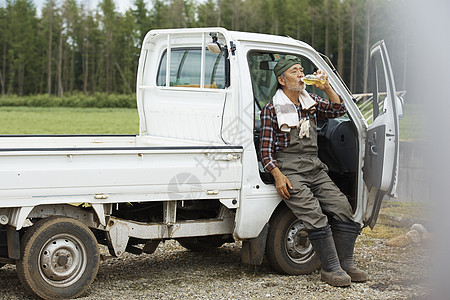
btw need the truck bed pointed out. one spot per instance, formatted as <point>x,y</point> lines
<point>59,169</point>
<point>22,142</point>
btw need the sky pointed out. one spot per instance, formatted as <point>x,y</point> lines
<point>121,5</point>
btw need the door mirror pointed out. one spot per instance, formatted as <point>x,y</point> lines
<point>400,103</point>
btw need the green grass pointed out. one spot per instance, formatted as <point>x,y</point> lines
<point>411,127</point>
<point>405,209</point>
<point>73,120</point>
<point>68,120</point>
<point>75,99</point>
<point>381,231</point>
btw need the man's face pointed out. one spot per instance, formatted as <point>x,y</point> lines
<point>292,78</point>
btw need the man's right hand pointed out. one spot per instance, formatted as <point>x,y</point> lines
<point>282,183</point>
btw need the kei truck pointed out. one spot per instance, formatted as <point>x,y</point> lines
<point>192,173</point>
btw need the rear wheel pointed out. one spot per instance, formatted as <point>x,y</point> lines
<point>60,258</point>
<point>288,248</point>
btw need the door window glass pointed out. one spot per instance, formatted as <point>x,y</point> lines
<point>379,87</point>
<point>264,82</point>
<point>185,68</point>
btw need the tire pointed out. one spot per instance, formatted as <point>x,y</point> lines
<point>288,248</point>
<point>59,258</point>
<point>202,243</point>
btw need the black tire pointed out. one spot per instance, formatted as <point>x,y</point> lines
<point>202,243</point>
<point>288,248</point>
<point>59,258</point>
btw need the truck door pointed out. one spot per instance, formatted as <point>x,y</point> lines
<point>382,139</point>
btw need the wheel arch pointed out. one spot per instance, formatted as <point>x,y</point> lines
<point>253,250</point>
<point>281,206</point>
<point>252,215</point>
<point>92,218</point>
<point>16,216</point>
<point>16,220</point>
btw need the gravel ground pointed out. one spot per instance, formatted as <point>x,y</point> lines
<point>175,273</point>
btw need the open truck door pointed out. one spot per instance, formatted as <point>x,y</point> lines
<point>382,140</point>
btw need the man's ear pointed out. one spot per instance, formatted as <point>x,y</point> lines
<point>281,80</point>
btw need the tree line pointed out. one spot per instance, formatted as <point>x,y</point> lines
<point>68,48</point>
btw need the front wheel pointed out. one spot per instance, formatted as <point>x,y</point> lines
<point>288,248</point>
<point>60,258</point>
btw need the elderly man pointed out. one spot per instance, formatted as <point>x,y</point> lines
<point>289,152</point>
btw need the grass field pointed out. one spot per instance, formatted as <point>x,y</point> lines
<point>411,127</point>
<point>68,120</point>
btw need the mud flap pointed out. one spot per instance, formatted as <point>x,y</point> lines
<point>252,252</point>
<point>13,238</point>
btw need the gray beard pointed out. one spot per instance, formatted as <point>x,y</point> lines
<point>294,88</point>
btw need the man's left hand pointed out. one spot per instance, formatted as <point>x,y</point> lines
<point>324,86</point>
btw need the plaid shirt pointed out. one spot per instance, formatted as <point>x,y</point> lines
<point>273,140</point>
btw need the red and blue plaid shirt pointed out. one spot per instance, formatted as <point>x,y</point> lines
<point>273,140</point>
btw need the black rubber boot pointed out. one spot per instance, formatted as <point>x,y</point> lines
<point>323,244</point>
<point>345,234</point>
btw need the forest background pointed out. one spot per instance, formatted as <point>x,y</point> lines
<point>67,49</point>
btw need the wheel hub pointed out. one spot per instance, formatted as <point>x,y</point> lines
<point>298,247</point>
<point>62,260</point>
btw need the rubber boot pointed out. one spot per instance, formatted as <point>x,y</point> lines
<point>323,244</point>
<point>345,234</point>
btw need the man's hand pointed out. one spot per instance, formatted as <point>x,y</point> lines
<point>326,87</point>
<point>282,183</point>
<point>323,76</point>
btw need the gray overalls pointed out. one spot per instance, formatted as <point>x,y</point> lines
<point>313,190</point>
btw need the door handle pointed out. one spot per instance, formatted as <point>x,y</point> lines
<point>227,157</point>
<point>373,144</point>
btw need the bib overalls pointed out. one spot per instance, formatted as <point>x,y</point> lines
<point>313,191</point>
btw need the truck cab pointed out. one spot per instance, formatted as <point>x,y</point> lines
<point>217,98</point>
<point>231,74</point>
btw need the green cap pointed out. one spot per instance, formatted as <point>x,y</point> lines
<point>285,63</point>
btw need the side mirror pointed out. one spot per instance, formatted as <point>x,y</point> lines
<point>399,103</point>
<point>214,46</point>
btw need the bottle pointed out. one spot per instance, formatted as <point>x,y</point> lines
<point>311,79</point>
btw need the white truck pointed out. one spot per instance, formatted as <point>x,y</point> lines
<point>192,174</point>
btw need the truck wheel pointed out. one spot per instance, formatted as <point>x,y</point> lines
<point>59,258</point>
<point>288,248</point>
<point>202,243</point>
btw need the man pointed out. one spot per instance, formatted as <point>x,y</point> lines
<point>289,152</point>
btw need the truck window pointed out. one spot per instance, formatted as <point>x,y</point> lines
<point>185,68</point>
<point>379,86</point>
<point>264,82</point>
